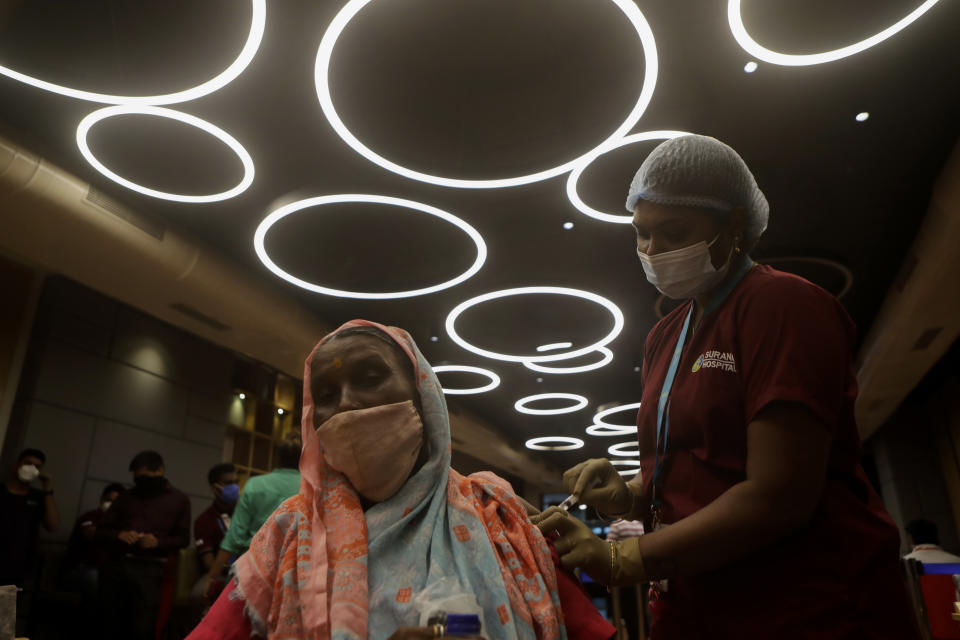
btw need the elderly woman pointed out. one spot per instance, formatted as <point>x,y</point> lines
<point>762,522</point>
<point>382,520</point>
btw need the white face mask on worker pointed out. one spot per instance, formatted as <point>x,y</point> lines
<point>685,272</point>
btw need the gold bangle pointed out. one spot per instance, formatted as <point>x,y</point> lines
<point>613,559</point>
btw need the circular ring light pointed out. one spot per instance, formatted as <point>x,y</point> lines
<point>598,419</point>
<point>603,430</point>
<point>563,291</point>
<point>602,362</point>
<point>136,109</point>
<point>587,160</point>
<point>293,207</point>
<point>494,379</point>
<point>569,443</point>
<point>752,47</point>
<point>617,449</point>
<point>624,463</point>
<point>322,81</point>
<point>579,402</point>
<point>225,77</point>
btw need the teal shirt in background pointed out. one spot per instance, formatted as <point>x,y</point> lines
<point>261,496</point>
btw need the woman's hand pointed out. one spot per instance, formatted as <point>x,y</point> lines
<point>596,483</point>
<point>576,545</point>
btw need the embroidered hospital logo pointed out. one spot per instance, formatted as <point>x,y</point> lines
<point>722,360</point>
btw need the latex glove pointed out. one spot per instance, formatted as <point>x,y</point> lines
<point>596,483</point>
<point>578,547</point>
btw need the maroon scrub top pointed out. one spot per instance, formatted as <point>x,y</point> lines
<point>775,338</point>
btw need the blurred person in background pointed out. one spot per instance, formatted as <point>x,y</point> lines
<point>23,509</point>
<point>212,525</point>
<point>261,496</point>
<point>142,532</point>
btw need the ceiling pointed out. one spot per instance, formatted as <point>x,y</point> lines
<point>492,89</point>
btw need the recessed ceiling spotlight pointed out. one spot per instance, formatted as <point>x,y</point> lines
<point>242,396</point>
<point>862,116</point>
<point>618,449</point>
<point>494,379</point>
<point>752,47</point>
<point>579,402</point>
<point>279,412</point>
<point>322,82</point>
<point>637,369</point>
<point>282,212</point>
<point>539,380</point>
<point>582,507</point>
<point>568,443</point>
<point>434,339</point>
<point>568,225</point>
<point>585,161</point>
<point>750,67</point>
<point>225,77</point>
<point>493,295</point>
<point>133,109</point>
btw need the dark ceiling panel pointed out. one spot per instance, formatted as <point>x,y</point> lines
<point>492,88</point>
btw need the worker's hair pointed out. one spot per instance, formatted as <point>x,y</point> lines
<point>923,531</point>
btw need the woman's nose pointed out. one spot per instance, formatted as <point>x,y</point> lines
<point>348,401</point>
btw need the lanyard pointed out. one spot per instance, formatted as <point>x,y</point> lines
<point>663,404</point>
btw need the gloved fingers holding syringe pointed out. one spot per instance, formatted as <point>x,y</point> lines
<point>596,483</point>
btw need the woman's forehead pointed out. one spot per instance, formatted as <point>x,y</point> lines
<point>336,353</point>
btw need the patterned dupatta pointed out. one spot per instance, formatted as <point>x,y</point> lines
<point>320,568</point>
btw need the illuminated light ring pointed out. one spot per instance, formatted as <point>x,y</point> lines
<point>799,60</point>
<point>493,295</point>
<point>571,443</point>
<point>136,109</point>
<point>598,418</point>
<point>603,430</point>
<point>321,79</point>
<point>579,403</point>
<point>602,362</point>
<point>554,346</point>
<point>582,163</point>
<point>624,463</point>
<point>282,212</point>
<point>617,449</point>
<point>225,77</point>
<point>494,379</point>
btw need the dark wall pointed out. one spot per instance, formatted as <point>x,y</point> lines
<point>103,381</point>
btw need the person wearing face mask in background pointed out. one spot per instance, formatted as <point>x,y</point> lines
<point>23,508</point>
<point>142,532</point>
<point>261,496</point>
<point>80,562</point>
<point>211,526</point>
<point>761,521</point>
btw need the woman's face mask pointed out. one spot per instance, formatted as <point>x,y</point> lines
<point>375,448</point>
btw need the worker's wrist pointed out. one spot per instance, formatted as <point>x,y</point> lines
<point>626,564</point>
